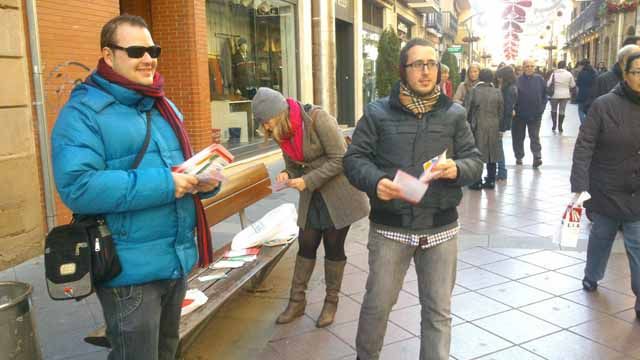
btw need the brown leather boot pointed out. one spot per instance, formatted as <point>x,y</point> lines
<point>333,272</point>
<point>297,300</point>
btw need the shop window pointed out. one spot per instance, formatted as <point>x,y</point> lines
<point>251,44</point>
<point>369,58</point>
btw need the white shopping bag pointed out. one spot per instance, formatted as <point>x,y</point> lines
<point>569,231</point>
<point>279,223</point>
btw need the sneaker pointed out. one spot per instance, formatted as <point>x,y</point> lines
<point>537,163</point>
<point>589,285</point>
<point>518,161</point>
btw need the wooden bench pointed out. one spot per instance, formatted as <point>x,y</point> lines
<point>242,189</point>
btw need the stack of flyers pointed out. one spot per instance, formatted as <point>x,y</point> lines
<point>278,186</point>
<point>207,165</point>
<point>193,299</point>
<point>215,275</point>
<point>412,189</point>
<point>428,167</point>
<point>241,252</point>
<point>226,264</point>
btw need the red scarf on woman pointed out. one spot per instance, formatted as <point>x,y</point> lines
<point>156,91</point>
<point>292,144</point>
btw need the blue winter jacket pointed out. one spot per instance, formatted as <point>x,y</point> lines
<point>94,142</point>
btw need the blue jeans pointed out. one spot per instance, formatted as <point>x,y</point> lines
<point>603,232</point>
<point>582,112</point>
<point>388,264</point>
<point>142,320</point>
<point>502,170</point>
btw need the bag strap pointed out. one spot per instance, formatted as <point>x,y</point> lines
<point>145,145</point>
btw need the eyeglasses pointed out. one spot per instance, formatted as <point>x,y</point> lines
<point>136,52</point>
<point>419,65</point>
<point>634,72</point>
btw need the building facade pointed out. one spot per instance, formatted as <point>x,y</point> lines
<point>598,29</point>
<point>216,53</point>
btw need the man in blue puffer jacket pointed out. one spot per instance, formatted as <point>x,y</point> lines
<point>150,210</point>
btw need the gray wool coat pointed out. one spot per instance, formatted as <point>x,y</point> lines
<point>485,107</point>
<point>324,146</point>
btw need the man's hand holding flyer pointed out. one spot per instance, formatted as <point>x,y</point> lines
<point>207,165</point>
<point>413,189</point>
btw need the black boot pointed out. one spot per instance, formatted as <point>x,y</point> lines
<point>560,121</point>
<point>554,116</point>
<point>476,186</point>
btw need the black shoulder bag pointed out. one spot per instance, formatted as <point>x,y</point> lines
<point>80,255</point>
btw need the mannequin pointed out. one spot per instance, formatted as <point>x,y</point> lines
<point>244,70</point>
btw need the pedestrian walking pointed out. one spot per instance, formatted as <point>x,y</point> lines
<point>468,84</point>
<point>401,132</point>
<point>563,84</point>
<point>485,107</point>
<point>607,165</point>
<point>586,79</point>
<point>529,108</point>
<point>312,146</point>
<point>151,211</point>
<point>607,81</point>
<point>507,84</point>
<point>445,81</point>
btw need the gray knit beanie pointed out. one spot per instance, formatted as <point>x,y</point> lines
<point>268,103</point>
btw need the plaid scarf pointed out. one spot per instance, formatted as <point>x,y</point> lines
<point>418,104</point>
<point>156,91</point>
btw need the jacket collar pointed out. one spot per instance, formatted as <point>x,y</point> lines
<point>122,95</point>
<point>443,103</point>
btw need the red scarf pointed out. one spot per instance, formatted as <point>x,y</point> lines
<point>292,144</point>
<point>156,91</point>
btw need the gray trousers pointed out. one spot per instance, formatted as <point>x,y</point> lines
<point>518,129</point>
<point>388,264</point>
<point>143,320</point>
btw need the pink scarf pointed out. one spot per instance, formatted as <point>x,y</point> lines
<point>292,145</point>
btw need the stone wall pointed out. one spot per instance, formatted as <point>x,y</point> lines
<point>21,215</point>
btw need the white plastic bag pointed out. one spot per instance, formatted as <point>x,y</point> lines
<point>279,223</point>
<point>569,231</point>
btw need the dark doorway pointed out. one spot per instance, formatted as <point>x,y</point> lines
<point>344,73</point>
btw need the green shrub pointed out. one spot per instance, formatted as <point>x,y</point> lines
<point>387,62</point>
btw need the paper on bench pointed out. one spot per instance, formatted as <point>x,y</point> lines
<point>193,300</point>
<point>227,264</point>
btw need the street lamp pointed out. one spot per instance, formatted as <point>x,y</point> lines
<point>551,46</point>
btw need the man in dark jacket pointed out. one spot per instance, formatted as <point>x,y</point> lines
<point>402,132</point>
<point>529,108</point>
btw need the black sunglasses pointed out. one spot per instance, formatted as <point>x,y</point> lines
<point>136,52</point>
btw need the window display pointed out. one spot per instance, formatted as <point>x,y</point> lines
<point>251,44</point>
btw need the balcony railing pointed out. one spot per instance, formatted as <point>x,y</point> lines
<point>449,24</point>
<point>424,6</point>
<point>586,20</point>
<point>433,20</point>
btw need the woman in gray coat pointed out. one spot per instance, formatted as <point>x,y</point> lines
<point>485,107</point>
<point>313,147</point>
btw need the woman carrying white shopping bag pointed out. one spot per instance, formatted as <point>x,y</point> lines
<point>313,147</point>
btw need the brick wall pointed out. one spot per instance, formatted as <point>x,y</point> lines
<point>180,27</point>
<point>69,41</point>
